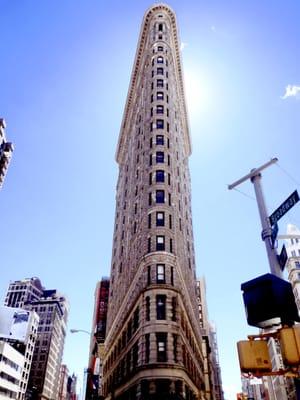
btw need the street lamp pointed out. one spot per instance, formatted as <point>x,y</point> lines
<point>80,330</point>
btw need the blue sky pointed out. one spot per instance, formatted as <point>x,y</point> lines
<point>65,71</point>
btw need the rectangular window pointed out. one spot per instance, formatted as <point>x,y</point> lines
<point>160,27</point>
<point>171,245</point>
<point>160,273</point>
<point>149,221</point>
<point>159,109</point>
<point>147,350</point>
<point>150,199</point>
<point>161,340</point>
<point>150,159</point>
<point>160,60</point>
<point>150,178</point>
<point>147,308</point>
<point>160,157</point>
<point>129,331</point>
<point>159,124</point>
<point>159,176</point>
<point>160,243</point>
<point>151,143</point>
<point>160,83</point>
<point>160,48</point>
<point>160,218</point>
<point>160,306</point>
<point>175,347</point>
<point>160,71</point>
<point>160,196</point>
<point>159,96</point>
<point>174,308</point>
<point>159,140</point>
<point>170,202</point>
<point>172,276</point>
<point>135,355</point>
<point>149,244</point>
<point>149,274</point>
<point>170,221</point>
<point>136,317</point>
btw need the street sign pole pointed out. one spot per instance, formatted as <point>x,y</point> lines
<point>255,177</point>
<point>266,226</point>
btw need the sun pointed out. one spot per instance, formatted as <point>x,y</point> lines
<point>198,92</point>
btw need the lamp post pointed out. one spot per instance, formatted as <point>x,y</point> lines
<point>80,330</point>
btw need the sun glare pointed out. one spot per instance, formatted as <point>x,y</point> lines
<point>198,93</point>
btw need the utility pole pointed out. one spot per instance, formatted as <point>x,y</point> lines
<point>255,177</point>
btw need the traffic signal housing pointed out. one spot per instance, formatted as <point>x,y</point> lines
<point>254,356</point>
<point>289,339</point>
<point>269,300</point>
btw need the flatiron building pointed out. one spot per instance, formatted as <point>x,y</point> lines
<point>153,337</point>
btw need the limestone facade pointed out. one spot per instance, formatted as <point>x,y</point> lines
<point>153,339</point>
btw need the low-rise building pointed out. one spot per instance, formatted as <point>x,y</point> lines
<point>19,328</point>
<point>11,365</point>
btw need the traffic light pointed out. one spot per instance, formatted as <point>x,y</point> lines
<point>254,356</point>
<point>289,339</point>
<point>241,396</point>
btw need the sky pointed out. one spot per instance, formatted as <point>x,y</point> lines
<point>65,70</point>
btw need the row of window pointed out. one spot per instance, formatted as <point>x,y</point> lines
<point>160,176</point>
<point>8,393</point>
<point>159,124</point>
<point>8,362</point>
<point>160,244</point>
<point>160,274</point>
<point>190,366</point>
<point>160,60</point>
<point>159,71</point>
<point>159,158</point>
<point>161,300</point>
<point>158,48</point>
<point>159,110</point>
<point>126,336</point>
<point>125,367</point>
<point>130,361</point>
<point>159,219</point>
<point>160,97</point>
<point>160,83</point>
<point>160,198</point>
<point>9,378</point>
<point>159,141</point>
